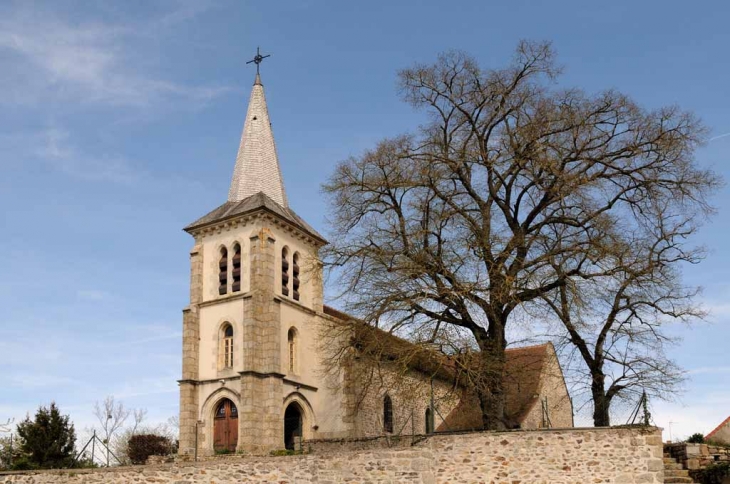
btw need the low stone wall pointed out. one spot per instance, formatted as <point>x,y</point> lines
<point>697,456</point>
<point>571,456</point>
<point>329,446</point>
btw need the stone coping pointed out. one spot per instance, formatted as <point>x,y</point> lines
<point>474,432</point>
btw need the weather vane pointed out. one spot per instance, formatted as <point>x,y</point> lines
<point>258,59</point>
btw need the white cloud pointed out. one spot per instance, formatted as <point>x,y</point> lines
<point>718,311</point>
<point>36,381</point>
<point>709,369</point>
<point>680,420</point>
<point>147,386</point>
<point>54,146</point>
<point>90,63</point>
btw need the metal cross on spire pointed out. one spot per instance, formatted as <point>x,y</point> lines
<point>258,58</point>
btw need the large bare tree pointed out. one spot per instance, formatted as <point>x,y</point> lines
<point>461,223</point>
<point>616,323</point>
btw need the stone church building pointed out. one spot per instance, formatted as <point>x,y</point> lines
<point>253,375</point>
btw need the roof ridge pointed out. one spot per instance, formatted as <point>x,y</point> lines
<point>514,348</point>
<point>529,347</point>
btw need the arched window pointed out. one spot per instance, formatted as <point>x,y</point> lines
<point>236,262</point>
<point>223,272</point>
<point>429,421</point>
<point>295,274</point>
<point>226,347</point>
<point>292,339</point>
<point>388,414</point>
<point>284,271</point>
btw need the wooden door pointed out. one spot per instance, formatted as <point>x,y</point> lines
<point>225,427</point>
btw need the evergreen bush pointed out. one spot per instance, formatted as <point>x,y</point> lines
<point>697,438</point>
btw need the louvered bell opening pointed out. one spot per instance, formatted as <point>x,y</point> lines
<point>222,277</point>
<point>284,265</point>
<point>285,290</point>
<point>236,286</point>
<point>223,264</point>
<point>222,289</point>
<point>295,271</point>
<point>236,272</point>
<point>296,295</point>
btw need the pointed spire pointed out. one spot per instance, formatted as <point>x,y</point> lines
<point>257,165</point>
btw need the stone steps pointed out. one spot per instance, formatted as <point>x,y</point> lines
<point>674,473</point>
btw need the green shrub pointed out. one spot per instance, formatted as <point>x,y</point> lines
<point>713,474</point>
<point>697,438</point>
<point>24,464</point>
<point>140,447</point>
<point>282,452</point>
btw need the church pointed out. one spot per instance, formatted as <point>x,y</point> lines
<point>254,376</point>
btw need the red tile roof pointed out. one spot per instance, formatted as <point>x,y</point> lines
<point>523,371</point>
<point>717,429</point>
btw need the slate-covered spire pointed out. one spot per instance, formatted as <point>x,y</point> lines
<point>257,165</point>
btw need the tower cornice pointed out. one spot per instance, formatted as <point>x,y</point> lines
<point>237,220</point>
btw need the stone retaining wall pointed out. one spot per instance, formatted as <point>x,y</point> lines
<point>571,456</point>
<point>698,456</point>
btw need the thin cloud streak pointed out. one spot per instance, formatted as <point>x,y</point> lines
<point>725,135</point>
<point>709,370</point>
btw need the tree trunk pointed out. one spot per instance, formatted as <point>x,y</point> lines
<point>490,382</point>
<point>601,402</point>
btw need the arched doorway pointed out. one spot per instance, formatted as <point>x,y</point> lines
<point>225,427</point>
<point>293,422</point>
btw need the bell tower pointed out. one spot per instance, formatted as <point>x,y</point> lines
<point>247,262</point>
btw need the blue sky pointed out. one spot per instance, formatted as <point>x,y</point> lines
<point>120,121</point>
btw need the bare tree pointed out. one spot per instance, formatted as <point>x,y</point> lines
<point>460,224</point>
<point>139,415</point>
<point>616,322</point>
<point>111,416</point>
<point>120,443</point>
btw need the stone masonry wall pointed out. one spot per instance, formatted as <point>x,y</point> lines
<point>191,335</point>
<point>697,456</point>
<point>573,456</point>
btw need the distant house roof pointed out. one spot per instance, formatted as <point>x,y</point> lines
<point>255,202</point>
<point>523,371</point>
<point>718,428</point>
